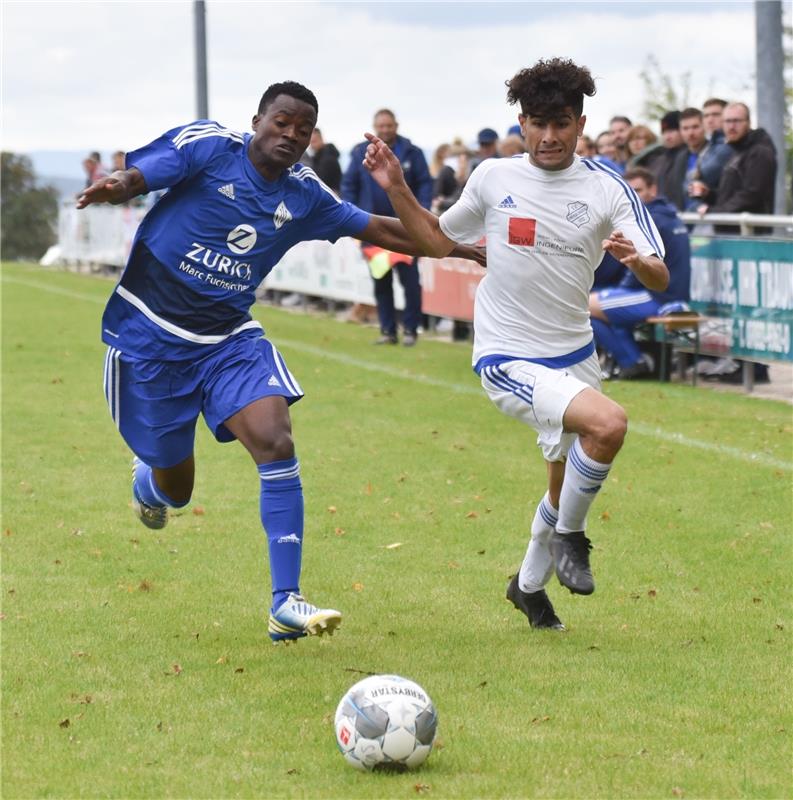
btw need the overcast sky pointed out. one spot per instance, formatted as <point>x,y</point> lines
<point>114,75</point>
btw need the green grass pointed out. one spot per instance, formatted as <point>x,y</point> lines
<point>674,678</point>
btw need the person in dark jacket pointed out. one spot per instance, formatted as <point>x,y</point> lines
<point>358,187</point>
<point>663,166</point>
<point>747,180</point>
<point>698,167</point>
<point>615,312</point>
<point>324,160</point>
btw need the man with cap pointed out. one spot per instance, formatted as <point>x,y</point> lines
<point>487,139</point>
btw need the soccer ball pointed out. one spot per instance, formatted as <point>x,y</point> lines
<point>385,722</point>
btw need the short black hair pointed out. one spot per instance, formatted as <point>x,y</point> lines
<point>290,88</point>
<point>642,173</point>
<point>550,86</point>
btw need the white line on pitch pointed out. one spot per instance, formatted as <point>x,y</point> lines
<point>668,437</point>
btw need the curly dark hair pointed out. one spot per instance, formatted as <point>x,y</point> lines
<point>290,88</point>
<point>549,86</point>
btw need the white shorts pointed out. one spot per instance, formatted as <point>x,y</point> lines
<point>539,396</point>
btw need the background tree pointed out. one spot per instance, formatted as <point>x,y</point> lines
<point>29,212</point>
<point>662,92</point>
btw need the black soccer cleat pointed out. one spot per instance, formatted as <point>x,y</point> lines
<point>535,605</point>
<point>570,553</point>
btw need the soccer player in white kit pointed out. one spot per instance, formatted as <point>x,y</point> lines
<point>547,215</point>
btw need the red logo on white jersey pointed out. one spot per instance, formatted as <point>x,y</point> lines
<point>522,231</point>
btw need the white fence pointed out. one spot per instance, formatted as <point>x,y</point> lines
<point>103,235</point>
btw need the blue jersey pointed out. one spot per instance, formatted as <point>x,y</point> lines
<point>202,250</point>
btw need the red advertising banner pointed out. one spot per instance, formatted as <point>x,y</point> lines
<point>448,286</point>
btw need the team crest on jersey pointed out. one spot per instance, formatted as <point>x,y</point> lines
<point>282,215</point>
<point>241,239</point>
<point>578,213</point>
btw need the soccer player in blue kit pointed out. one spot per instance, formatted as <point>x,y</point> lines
<point>181,340</point>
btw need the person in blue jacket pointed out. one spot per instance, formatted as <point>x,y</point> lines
<point>358,187</point>
<point>616,311</point>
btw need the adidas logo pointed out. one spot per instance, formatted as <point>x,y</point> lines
<point>507,202</point>
<point>228,190</point>
<point>273,381</point>
<point>293,538</point>
<point>282,216</point>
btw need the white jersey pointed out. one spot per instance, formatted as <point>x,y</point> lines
<point>544,234</point>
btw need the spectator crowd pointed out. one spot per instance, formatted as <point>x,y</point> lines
<point>704,160</point>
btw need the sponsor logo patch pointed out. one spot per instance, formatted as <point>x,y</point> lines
<point>522,231</point>
<point>507,202</point>
<point>241,239</point>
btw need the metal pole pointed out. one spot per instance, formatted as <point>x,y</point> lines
<point>771,87</point>
<point>202,101</point>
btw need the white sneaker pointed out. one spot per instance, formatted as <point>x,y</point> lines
<point>296,618</point>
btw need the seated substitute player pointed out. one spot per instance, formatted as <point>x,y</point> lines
<point>617,310</point>
<point>548,216</point>
<point>181,340</point>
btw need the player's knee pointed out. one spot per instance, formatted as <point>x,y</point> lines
<point>275,447</point>
<point>613,428</point>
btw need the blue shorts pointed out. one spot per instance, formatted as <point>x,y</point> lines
<point>155,404</point>
<point>627,307</point>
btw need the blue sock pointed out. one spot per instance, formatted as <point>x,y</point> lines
<point>281,508</point>
<point>147,490</point>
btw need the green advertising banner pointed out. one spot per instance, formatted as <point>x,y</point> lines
<point>749,281</point>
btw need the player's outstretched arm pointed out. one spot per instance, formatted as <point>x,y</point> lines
<point>117,188</point>
<point>421,224</point>
<point>390,234</point>
<point>650,270</point>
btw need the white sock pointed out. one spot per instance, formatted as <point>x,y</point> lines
<point>583,477</point>
<point>537,567</point>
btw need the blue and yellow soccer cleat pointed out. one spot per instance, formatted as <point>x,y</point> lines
<point>154,517</point>
<point>296,618</point>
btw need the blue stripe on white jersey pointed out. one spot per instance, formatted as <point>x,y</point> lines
<point>639,211</point>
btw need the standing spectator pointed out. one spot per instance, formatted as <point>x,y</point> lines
<point>119,161</point>
<point>606,151</point>
<point>94,169</point>
<point>699,166</point>
<point>487,139</point>
<point>359,188</point>
<point>746,184</point>
<point>712,113</point>
<point>616,311</point>
<point>438,157</point>
<point>451,177</point>
<point>324,160</point>
<point>664,166</point>
<point>619,127</point>
<point>586,147</point>
<point>512,145</point>
<point>747,180</point>
<point>644,148</point>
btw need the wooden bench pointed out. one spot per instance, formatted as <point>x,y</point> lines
<point>679,331</point>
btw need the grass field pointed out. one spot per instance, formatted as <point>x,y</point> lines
<point>136,663</point>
